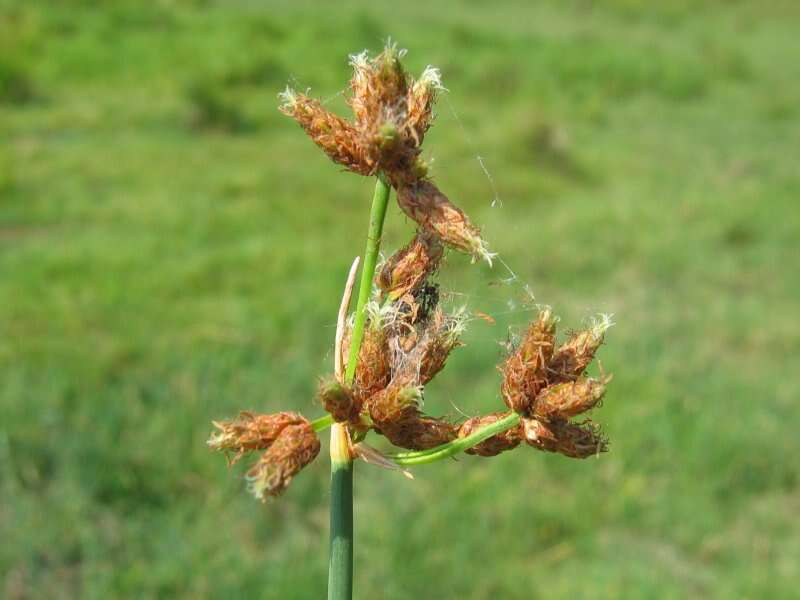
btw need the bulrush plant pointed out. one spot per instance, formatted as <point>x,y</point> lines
<point>399,338</point>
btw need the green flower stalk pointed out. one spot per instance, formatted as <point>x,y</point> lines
<point>398,338</point>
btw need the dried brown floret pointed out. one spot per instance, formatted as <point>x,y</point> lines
<point>538,433</point>
<point>419,432</point>
<point>251,432</point>
<point>500,442</point>
<point>296,446</point>
<point>571,358</point>
<point>441,337</point>
<point>422,201</point>
<point>408,269</point>
<point>380,88</point>
<point>373,369</point>
<point>395,414</point>
<point>525,370</point>
<point>421,98</point>
<point>336,136</point>
<point>575,440</point>
<point>564,400</point>
<point>339,401</point>
<point>396,404</point>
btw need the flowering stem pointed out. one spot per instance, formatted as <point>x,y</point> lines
<point>340,567</point>
<point>377,215</point>
<point>456,446</point>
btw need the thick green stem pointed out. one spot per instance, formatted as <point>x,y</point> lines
<point>340,567</point>
<point>457,446</point>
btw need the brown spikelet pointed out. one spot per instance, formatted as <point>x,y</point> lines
<point>251,432</point>
<point>571,358</point>
<point>419,432</point>
<point>538,433</point>
<point>565,400</point>
<point>395,414</point>
<point>296,446</point>
<point>408,269</point>
<point>373,370</point>
<point>525,370</point>
<point>339,400</point>
<point>336,136</point>
<point>575,440</point>
<point>440,339</point>
<point>380,87</point>
<point>422,201</point>
<point>500,442</point>
<point>421,98</point>
<point>396,404</point>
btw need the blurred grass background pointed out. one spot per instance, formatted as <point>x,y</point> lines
<point>172,250</point>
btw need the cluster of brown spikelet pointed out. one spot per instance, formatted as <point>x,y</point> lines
<point>408,338</point>
<point>391,114</point>
<point>546,386</point>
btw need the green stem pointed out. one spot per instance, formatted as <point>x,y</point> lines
<point>340,567</point>
<point>322,423</point>
<point>377,215</point>
<point>457,446</point>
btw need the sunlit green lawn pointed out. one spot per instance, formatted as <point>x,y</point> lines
<point>172,250</point>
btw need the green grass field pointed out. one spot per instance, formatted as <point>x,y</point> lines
<point>172,250</point>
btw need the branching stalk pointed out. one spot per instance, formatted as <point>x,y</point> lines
<point>456,446</point>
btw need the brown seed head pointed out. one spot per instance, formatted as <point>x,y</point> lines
<point>525,370</point>
<point>571,359</point>
<point>408,269</point>
<point>565,400</point>
<point>422,201</point>
<point>251,432</point>
<point>373,370</point>
<point>296,446</point>
<point>575,440</point>
<point>421,98</point>
<point>441,337</point>
<point>339,400</point>
<point>419,432</point>
<point>379,101</point>
<point>337,137</point>
<point>500,442</point>
<point>396,404</point>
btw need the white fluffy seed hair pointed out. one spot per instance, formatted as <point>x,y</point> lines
<point>456,323</point>
<point>287,97</point>
<point>431,77</point>
<point>359,61</point>
<point>481,251</point>
<point>601,323</point>
<point>381,316</point>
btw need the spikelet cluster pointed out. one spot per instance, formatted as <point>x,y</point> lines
<point>546,385</point>
<point>296,447</point>
<point>287,439</point>
<point>392,112</point>
<point>408,338</point>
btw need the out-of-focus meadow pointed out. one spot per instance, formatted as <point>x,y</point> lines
<point>172,250</point>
